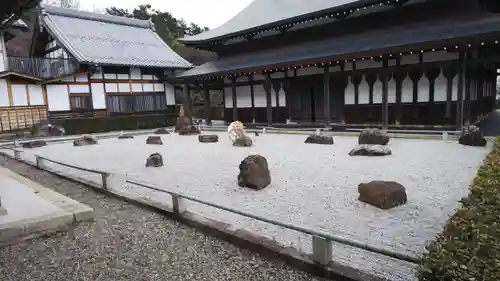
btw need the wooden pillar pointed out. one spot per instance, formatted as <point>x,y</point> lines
<point>326,93</point>
<point>385,93</point>
<point>252,96</point>
<point>206,94</point>
<point>399,89</point>
<point>277,88</point>
<point>235,104</point>
<point>269,105</point>
<point>467,93</point>
<point>188,106</point>
<point>286,89</point>
<point>460,93</point>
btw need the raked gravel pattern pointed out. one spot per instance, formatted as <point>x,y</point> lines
<point>128,243</point>
<point>314,186</point>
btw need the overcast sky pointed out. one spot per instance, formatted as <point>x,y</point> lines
<point>211,13</point>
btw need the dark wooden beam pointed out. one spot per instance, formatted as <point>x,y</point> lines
<point>385,94</point>
<point>235,104</point>
<point>252,96</point>
<point>188,106</point>
<point>399,91</point>
<point>460,93</point>
<point>269,105</point>
<point>326,94</point>
<point>208,115</point>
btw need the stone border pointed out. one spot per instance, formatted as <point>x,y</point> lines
<point>73,212</point>
<point>240,237</point>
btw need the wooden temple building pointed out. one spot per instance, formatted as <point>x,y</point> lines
<point>390,63</point>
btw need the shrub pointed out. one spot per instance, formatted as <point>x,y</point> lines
<point>116,123</point>
<point>468,249</point>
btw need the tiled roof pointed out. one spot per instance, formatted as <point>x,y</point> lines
<point>109,40</point>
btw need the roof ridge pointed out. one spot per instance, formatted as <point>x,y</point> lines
<point>72,13</point>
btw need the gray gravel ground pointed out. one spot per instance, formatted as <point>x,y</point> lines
<point>126,242</point>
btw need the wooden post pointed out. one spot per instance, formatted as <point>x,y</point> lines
<point>277,88</point>
<point>460,93</point>
<point>326,94</point>
<point>399,89</point>
<point>269,105</point>
<point>188,106</point>
<point>467,93</point>
<point>252,96</point>
<point>385,93</point>
<point>206,94</point>
<point>235,104</point>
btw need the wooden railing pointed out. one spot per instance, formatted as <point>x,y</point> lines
<point>42,67</point>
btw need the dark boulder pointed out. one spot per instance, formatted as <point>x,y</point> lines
<point>472,136</point>
<point>193,130</point>
<point>373,136</point>
<point>122,137</point>
<point>319,139</point>
<point>370,150</point>
<point>183,122</point>
<point>382,194</point>
<point>47,128</point>
<point>208,138</point>
<point>162,131</point>
<point>84,141</point>
<point>256,134</point>
<point>154,160</point>
<point>254,172</point>
<point>34,144</point>
<point>154,140</point>
<point>244,141</point>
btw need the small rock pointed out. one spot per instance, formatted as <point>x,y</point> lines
<point>34,144</point>
<point>154,160</point>
<point>121,137</point>
<point>254,172</point>
<point>193,130</point>
<point>85,140</point>
<point>208,138</point>
<point>382,194</point>
<point>244,141</point>
<point>471,136</point>
<point>162,131</point>
<point>373,136</point>
<point>318,139</point>
<point>370,150</point>
<point>154,140</point>
<point>256,134</point>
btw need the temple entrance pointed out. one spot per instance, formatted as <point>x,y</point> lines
<point>313,104</point>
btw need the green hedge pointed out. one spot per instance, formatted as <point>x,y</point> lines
<point>116,123</point>
<point>469,247</point>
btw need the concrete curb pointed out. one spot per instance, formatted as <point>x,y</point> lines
<point>72,212</point>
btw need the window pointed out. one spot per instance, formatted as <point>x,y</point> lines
<point>80,103</point>
<point>136,103</point>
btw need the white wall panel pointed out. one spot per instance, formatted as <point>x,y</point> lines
<point>365,64</point>
<point>2,60</point>
<point>170,94</point>
<point>148,87</point>
<point>98,96</point>
<point>278,75</point>
<point>97,75</point>
<point>136,87</point>
<point>135,73</point>
<point>159,87</point>
<point>439,56</point>
<point>377,92</point>
<point>363,91</point>
<point>349,97</point>
<point>440,88</point>
<point>124,87</point>
<point>76,89</point>
<point>19,95</point>
<point>82,78</point>
<point>407,91</point>
<point>110,76</point>
<point>68,79</point>
<point>111,87</point>
<point>122,76</point>
<point>273,97</point>
<point>228,96</point>
<point>391,95</point>
<point>423,90</point>
<point>58,97</point>
<point>147,76</point>
<point>244,97</point>
<point>409,59</point>
<point>4,94</point>
<point>454,93</point>
<point>282,97</point>
<point>309,71</point>
<point>259,96</point>
<point>257,77</point>
<point>36,94</point>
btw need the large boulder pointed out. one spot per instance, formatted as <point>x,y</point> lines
<point>318,139</point>
<point>382,194</point>
<point>208,138</point>
<point>34,144</point>
<point>84,141</point>
<point>235,130</point>
<point>162,131</point>
<point>123,137</point>
<point>47,128</point>
<point>373,136</point>
<point>243,141</point>
<point>154,140</point>
<point>254,172</point>
<point>472,136</point>
<point>183,122</point>
<point>154,160</point>
<point>370,150</point>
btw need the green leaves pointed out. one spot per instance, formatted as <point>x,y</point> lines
<point>469,247</point>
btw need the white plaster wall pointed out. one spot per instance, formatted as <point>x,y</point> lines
<point>36,94</point>
<point>19,97</point>
<point>158,87</point>
<point>363,64</point>
<point>79,89</point>
<point>273,97</point>
<point>377,92</point>
<point>282,97</point>
<point>97,75</point>
<point>440,88</point>
<point>148,87</point>
<point>122,76</point>
<point>3,62</point>
<point>278,75</point>
<point>135,73</point>
<point>110,76</point>
<point>111,87</point>
<point>68,79</point>
<point>309,71</point>
<point>228,97</point>
<point>407,91</point>
<point>391,95</point>
<point>4,93</point>
<point>124,87</point>
<point>349,94</point>
<point>454,93</point>
<point>82,78</point>
<point>58,97</point>
<point>439,56</point>
<point>423,90</point>
<point>98,96</point>
<point>244,97</point>
<point>136,87</point>
<point>363,91</point>
<point>170,94</point>
<point>259,96</point>
<point>147,76</point>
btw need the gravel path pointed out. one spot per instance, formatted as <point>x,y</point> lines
<point>126,242</point>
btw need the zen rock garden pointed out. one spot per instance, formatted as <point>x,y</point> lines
<point>84,141</point>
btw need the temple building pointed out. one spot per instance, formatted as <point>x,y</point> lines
<point>344,62</point>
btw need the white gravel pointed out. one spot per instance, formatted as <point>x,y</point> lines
<point>314,186</point>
